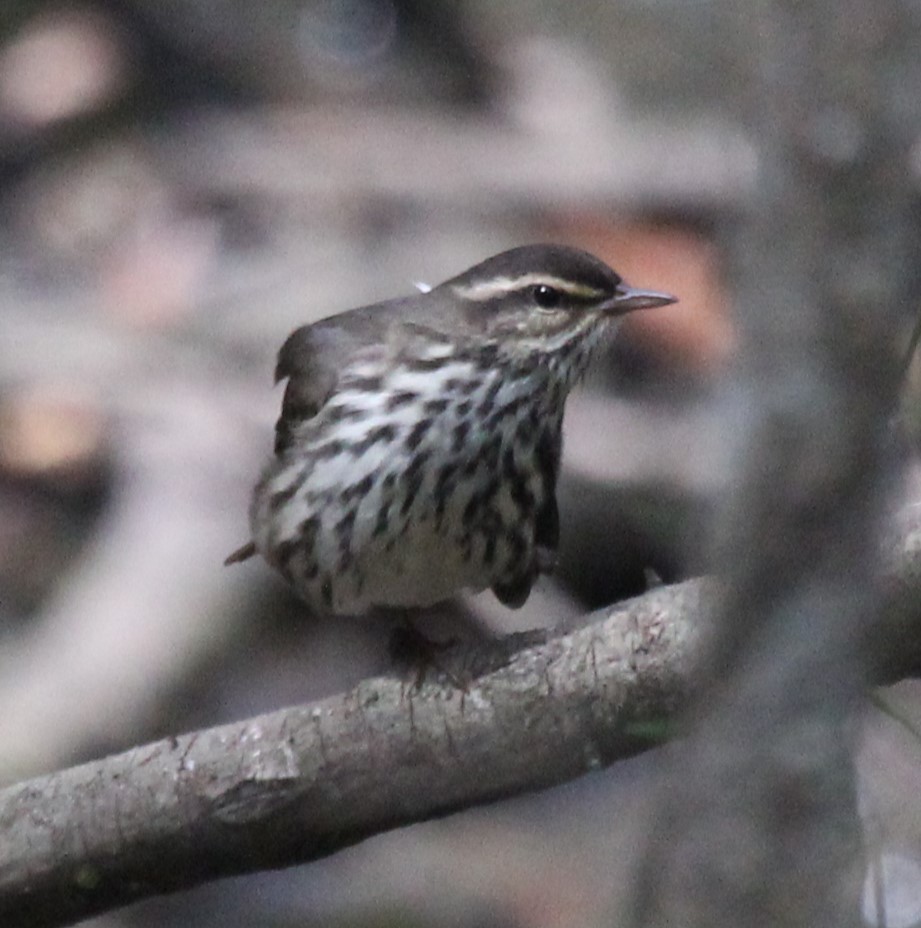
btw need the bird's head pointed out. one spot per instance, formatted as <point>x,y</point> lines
<point>543,296</point>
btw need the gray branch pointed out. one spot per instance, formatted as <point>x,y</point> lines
<point>301,783</point>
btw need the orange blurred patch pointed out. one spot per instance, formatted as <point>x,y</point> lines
<point>50,429</point>
<point>696,333</point>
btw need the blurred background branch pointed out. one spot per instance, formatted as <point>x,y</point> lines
<point>823,265</point>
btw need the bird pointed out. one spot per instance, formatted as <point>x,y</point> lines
<point>419,443</point>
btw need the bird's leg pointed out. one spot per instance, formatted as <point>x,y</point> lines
<point>411,648</point>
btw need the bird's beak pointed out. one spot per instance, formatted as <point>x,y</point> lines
<point>628,298</point>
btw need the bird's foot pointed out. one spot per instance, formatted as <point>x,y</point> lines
<point>411,648</point>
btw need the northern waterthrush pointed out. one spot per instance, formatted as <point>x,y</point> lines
<point>418,447</point>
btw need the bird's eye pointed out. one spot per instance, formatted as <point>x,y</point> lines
<point>546,297</point>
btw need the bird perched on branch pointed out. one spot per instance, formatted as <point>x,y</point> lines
<point>419,442</point>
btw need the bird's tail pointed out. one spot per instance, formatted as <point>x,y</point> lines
<point>241,554</point>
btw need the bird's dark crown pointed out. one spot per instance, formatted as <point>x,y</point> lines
<point>571,271</point>
<point>542,292</point>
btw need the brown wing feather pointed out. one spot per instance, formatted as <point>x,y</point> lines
<point>308,360</point>
<point>314,356</point>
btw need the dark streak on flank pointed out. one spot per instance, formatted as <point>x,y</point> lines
<point>525,431</point>
<point>444,487</point>
<point>427,364</point>
<point>401,398</point>
<point>343,413</point>
<point>479,502</point>
<point>503,412</point>
<point>383,520</point>
<point>277,500</point>
<point>461,385</point>
<point>312,497</point>
<point>471,467</point>
<point>328,450</point>
<point>417,434</point>
<point>412,480</point>
<point>459,435</point>
<point>380,433</point>
<point>485,407</point>
<point>344,526</point>
<point>307,532</point>
<point>486,357</point>
<point>364,384</point>
<point>490,452</point>
<point>434,407</point>
<point>357,490</point>
<point>417,464</point>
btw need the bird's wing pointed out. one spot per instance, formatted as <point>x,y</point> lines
<point>315,357</point>
<point>311,360</point>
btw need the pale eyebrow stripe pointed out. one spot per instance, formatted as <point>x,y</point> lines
<point>488,289</point>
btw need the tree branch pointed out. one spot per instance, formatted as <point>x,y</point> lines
<point>301,783</point>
